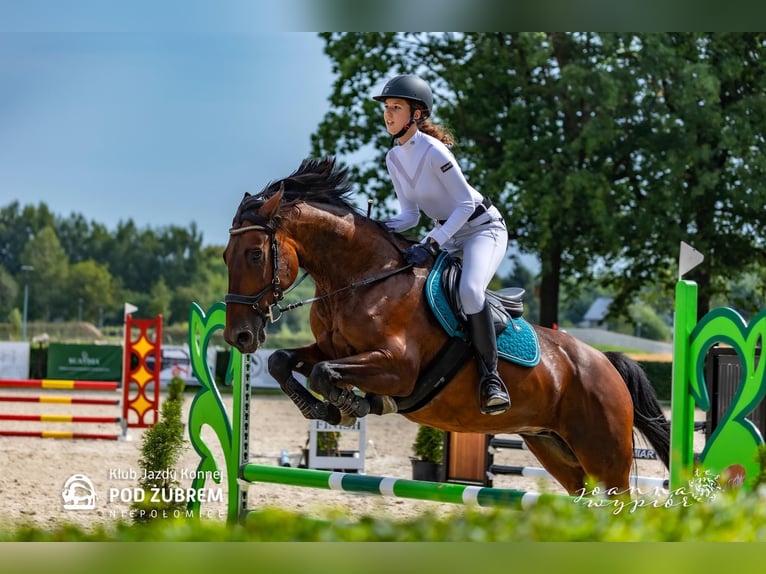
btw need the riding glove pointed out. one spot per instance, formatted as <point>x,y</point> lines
<point>419,254</point>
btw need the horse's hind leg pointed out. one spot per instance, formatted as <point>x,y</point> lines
<point>558,459</point>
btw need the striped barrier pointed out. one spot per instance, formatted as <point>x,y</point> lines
<point>62,418</point>
<point>59,400</point>
<point>538,472</point>
<point>137,402</point>
<point>394,487</point>
<point>61,435</point>
<point>50,418</point>
<point>58,384</point>
<point>495,443</point>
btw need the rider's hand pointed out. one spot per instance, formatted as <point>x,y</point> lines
<point>418,255</point>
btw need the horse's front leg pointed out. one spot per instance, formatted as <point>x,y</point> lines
<point>376,373</point>
<point>283,363</point>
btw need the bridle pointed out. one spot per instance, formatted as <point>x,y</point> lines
<point>274,311</point>
<point>253,300</point>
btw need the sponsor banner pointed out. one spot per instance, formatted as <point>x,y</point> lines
<point>84,362</point>
<point>14,360</point>
<point>176,362</point>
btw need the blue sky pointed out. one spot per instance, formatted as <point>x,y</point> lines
<point>162,128</point>
<point>160,112</point>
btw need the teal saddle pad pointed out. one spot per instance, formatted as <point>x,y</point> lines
<point>516,343</point>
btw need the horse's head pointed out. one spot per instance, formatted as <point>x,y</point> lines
<point>260,266</point>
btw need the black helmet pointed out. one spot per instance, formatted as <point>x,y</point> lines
<point>408,87</point>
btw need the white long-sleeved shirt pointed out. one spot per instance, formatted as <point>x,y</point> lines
<point>427,178</point>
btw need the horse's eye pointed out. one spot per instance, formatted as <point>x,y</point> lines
<point>255,255</point>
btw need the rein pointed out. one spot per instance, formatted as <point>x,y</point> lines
<point>275,310</point>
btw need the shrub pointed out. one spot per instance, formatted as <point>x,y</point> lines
<point>160,451</point>
<point>429,444</point>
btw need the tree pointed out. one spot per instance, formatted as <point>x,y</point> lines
<point>532,113</point>
<point>158,302</point>
<point>91,288</point>
<point>47,282</point>
<point>17,227</point>
<point>520,276</point>
<point>583,141</point>
<point>698,165</point>
<point>208,285</point>
<point>9,290</point>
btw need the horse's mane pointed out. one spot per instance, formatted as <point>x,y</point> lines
<point>318,181</point>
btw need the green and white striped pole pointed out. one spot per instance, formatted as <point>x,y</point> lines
<point>393,487</point>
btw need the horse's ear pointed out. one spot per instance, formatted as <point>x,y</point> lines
<point>270,208</point>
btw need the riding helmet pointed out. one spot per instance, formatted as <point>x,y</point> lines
<point>408,87</point>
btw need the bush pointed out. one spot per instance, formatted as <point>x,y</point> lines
<point>429,444</point>
<point>734,516</point>
<point>160,451</point>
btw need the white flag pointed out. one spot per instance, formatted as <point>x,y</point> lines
<point>688,259</point>
<point>129,309</point>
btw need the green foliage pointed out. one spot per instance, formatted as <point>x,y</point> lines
<point>602,150</point>
<point>429,444</point>
<point>83,260</point>
<point>9,290</point>
<point>733,516</point>
<point>162,446</point>
<point>642,321</point>
<point>91,288</point>
<point>327,443</point>
<point>45,254</point>
<point>759,482</point>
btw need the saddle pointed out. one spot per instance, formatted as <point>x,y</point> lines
<point>505,304</point>
<point>516,339</point>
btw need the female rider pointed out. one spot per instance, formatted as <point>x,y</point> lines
<point>427,178</point>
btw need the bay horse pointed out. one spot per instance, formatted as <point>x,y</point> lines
<point>374,333</point>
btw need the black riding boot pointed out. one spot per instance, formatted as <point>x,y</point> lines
<point>493,396</point>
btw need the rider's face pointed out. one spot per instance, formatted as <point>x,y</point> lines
<point>396,114</point>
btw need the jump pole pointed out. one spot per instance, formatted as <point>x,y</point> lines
<point>62,385</point>
<point>232,430</point>
<point>388,486</point>
<point>58,384</point>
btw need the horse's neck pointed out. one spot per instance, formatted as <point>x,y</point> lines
<point>336,249</point>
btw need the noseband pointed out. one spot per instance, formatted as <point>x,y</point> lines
<point>253,300</point>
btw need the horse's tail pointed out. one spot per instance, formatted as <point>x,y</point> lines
<point>647,412</point>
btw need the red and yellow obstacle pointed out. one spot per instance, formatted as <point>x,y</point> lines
<point>138,399</point>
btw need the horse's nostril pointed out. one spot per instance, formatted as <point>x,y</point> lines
<point>245,338</point>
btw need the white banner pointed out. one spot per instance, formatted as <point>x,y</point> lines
<point>14,360</point>
<point>176,362</point>
<point>259,371</point>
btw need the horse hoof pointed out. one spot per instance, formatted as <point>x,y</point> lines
<point>361,408</point>
<point>346,420</point>
<point>324,411</point>
<point>349,403</point>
